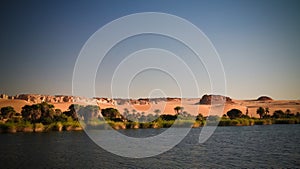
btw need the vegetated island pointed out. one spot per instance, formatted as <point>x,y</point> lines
<point>42,113</point>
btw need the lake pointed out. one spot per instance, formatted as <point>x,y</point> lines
<point>271,146</point>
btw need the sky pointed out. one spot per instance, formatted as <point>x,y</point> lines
<point>258,43</point>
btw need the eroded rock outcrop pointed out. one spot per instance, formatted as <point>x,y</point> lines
<point>264,98</point>
<point>207,99</point>
<point>173,99</point>
<point>4,96</point>
<point>102,100</point>
<point>37,98</point>
<point>145,101</point>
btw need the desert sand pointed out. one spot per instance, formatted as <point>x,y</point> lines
<point>191,106</point>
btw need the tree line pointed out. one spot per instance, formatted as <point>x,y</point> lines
<point>263,113</point>
<point>46,117</point>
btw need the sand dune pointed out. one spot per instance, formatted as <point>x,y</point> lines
<point>190,106</point>
<point>16,104</point>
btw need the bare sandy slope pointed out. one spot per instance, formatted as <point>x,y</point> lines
<point>292,105</point>
<point>190,106</point>
<point>16,104</point>
<point>65,106</point>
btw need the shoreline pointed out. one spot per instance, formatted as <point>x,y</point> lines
<point>60,127</point>
<point>142,114</point>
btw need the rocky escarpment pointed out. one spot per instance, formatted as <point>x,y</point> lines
<point>141,101</point>
<point>103,100</point>
<point>37,98</point>
<point>5,96</point>
<point>264,98</point>
<point>173,99</point>
<point>208,99</point>
<point>145,101</point>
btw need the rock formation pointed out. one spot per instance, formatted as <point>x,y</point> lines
<point>3,96</point>
<point>170,99</point>
<point>145,101</point>
<point>264,98</point>
<point>207,99</point>
<point>37,98</point>
<point>102,100</point>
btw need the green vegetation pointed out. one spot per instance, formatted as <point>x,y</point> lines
<point>40,117</point>
<point>178,109</point>
<point>261,112</point>
<point>7,112</point>
<point>236,118</point>
<point>44,117</point>
<point>234,113</point>
<point>236,122</point>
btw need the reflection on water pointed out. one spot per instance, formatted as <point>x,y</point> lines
<point>276,146</point>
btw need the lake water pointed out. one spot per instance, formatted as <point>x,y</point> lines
<point>271,146</point>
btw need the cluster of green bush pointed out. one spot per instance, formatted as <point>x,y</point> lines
<point>254,121</point>
<point>137,120</point>
<point>38,118</point>
<point>128,124</point>
<point>235,117</point>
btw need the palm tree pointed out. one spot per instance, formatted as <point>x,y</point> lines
<point>178,110</point>
<point>267,110</point>
<point>261,112</point>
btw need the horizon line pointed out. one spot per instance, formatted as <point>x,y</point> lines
<point>55,95</point>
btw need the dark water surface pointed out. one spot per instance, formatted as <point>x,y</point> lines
<point>270,146</point>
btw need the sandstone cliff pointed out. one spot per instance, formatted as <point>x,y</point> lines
<point>207,99</point>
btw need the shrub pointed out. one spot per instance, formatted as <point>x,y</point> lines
<point>7,112</point>
<point>185,123</point>
<point>198,124</point>
<point>262,121</point>
<point>258,122</point>
<point>234,123</point>
<point>112,115</point>
<point>38,127</point>
<point>145,125</point>
<point>55,127</point>
<point>234,113</point>
<point>117,125</point>
<point>156,125</point>
<point>212,120</point>
<point>167,117</point>
<point>25,126</point>
<point>286,121</point>
<point>244,122</point>
<point>167,124</point>
<point>132,125</point>
<point>224,122</point>
<point>8,127</point>
<point>46,120</point>
<point>71,125</point>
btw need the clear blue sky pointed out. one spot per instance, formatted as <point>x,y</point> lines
<point>258,42</point>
